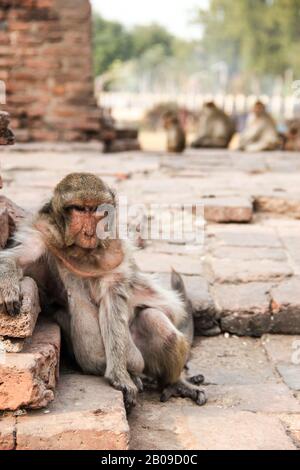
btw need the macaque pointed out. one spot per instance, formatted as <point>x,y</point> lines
<point>118,322</point>
<point>176,140</point>
<point>292,137</point>
<point>215,128</point>
<point>108,130</point>
<point>260,133</point>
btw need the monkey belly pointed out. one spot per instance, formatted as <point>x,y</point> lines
<point>86,338</point>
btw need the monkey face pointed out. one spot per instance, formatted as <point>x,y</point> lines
<point>82,221</point>
<point>259,109</point>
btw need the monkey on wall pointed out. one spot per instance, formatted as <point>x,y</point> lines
<point>215,128</point>
<point>176,139</point>
<point>118,321</point>
<point>260,133</point>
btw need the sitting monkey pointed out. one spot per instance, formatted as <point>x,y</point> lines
<point>118,321</point>
<point>292,137</point>
<point>176,140</point>
<point>215,128</point>
<point>260,132</point>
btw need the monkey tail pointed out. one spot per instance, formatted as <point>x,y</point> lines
<point>187,325</point>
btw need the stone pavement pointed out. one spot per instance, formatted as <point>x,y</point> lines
<point>243,279</point>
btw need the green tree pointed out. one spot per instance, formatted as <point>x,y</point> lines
<point>259,37</point>
<point>111,41</point>
<point>149,36</point>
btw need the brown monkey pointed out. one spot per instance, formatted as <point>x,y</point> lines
<point>176,140</point>
<point>260,133</point>
<point>215,128</point>
<point>292,137</point>
<point>119,322</point>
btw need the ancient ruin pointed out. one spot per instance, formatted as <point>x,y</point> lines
<point>46,65</point>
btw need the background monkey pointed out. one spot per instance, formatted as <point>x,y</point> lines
<point>215,128</point>
<point>292,136</point>
<point>118,321</point>
<point>176,139</point>
<point>260,132</point>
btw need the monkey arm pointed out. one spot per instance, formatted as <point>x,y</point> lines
<point>114,324</point>
<point>30,246</point>
<point>12,262</point>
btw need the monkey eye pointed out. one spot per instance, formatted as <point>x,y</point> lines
<point>76,208</point>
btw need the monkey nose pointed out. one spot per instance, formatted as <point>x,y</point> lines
<point>89,231</point>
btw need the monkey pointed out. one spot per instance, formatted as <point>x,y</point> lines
<point>176,139</point>
<point>260,133</point>
<point>119,322</point>
<point>6,135</point>
<point>292,137</point>
<point>216,129</point>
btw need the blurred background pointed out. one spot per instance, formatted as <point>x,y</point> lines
<point>161,54</point>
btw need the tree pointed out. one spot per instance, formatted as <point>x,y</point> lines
<point>149,36</point>
<point>255,37</point>
<point>111,41</point>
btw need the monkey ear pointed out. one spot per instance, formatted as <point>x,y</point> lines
<point>46,208</point>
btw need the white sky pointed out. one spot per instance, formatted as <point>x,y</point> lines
<point>174,14</point>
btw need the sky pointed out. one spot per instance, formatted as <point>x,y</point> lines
<point>173,14</point>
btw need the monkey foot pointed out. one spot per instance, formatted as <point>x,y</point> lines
<point>138,382</point>
<point>196,379</point>
<point>129,390</point>
<point>184,390</point>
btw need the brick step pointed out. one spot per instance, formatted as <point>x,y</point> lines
<point>28,378</point>
<point>87,414</point>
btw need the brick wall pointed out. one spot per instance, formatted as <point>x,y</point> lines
<point>46,62</point>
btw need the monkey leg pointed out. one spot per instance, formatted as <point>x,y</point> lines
<point>165,351</point>
<point>85,333</point>
<point>163,347</point>
<point>183,389</point>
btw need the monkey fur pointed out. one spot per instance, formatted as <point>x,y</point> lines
<point>118,322</point>
<point>176,139</point>
<point>215,128</point>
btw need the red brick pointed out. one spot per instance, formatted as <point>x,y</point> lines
<point>22,325</point>
<point>87,414</point>
<point>28,379</point>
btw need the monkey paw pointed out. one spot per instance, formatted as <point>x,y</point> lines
<point>196,379</point>
<point>10,296</point>
<point>138,382</point>
<point>128,388</point>
<point>184,390</point>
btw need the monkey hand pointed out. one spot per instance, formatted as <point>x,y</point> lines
<point>125,384</point>
<point>10,290</point>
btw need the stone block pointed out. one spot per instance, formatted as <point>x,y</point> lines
<point>28,379</point>
<point>22,325</point>
<point>87,414</point>
<point>286,307</point>
<point>224,210</point>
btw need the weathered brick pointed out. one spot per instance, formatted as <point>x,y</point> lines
<point>286,307</point>
<point>22,325</point>
<point>225,210</point>
<point>226,271</point>
<point>244,309</point>
<point>11,344</point>
<point>87,414</point>
<point>7,432</point>
<point>28,379</point>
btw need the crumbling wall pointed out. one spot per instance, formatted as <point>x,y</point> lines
<point>46,63</point>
